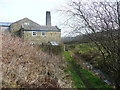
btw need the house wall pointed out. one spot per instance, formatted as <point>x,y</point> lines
<point>22,23</point>
<point>39,39</point>
<point>26,24</point>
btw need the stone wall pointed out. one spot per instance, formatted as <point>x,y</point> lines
<point>27,26</point>
<point>49,36</point>
<point>16,26</point>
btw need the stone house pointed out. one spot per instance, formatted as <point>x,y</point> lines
<point>35,33</point>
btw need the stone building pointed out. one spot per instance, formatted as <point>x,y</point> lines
<point>35,33</point>
<point>4,26</point>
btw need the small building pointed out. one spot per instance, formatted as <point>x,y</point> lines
<point>35,33</point>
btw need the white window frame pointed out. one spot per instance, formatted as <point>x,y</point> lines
<point>42,34</point>
<point>33,32</point>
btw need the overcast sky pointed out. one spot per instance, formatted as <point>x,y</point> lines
<point>13,10</point>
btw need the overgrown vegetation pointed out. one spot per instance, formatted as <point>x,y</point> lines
<point>26,66</point>
<point>52,50</point>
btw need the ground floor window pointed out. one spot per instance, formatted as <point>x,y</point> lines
<point>42,33</point>
<point>34,33</point>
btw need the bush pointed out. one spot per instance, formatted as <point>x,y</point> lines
<point>52,50</point>
<point>25,66</point>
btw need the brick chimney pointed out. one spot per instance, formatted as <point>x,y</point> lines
<point>48,18</point>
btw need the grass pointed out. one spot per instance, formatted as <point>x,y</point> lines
<point>82,78</point>
<point>67,55</point>
<point>86,47</point>
<point>78,83</point>
<point>82,48</point>
<point>92,81</point>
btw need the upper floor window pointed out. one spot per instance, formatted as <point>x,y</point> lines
<point>34,33</point>
<point>42,33</point>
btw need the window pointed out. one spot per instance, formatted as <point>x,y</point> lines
<point>42,33</point>
<point>34,33</point>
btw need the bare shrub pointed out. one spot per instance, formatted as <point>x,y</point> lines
<point>24,66</point>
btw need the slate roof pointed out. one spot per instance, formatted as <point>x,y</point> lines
<point>41,28</point>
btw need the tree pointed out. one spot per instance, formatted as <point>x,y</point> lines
<point>100,21</point>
